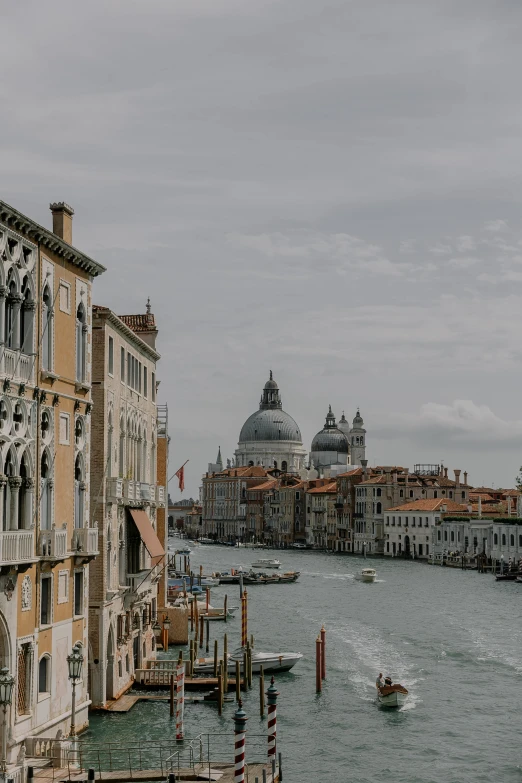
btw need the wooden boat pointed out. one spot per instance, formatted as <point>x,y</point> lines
<point>392,695</point>
<point>290,576</point>
<point>509,576</point>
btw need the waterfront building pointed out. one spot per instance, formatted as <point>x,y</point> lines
<point>270,438</point>
<point>321,514</point>
<point>48,530</point>
<point>390,487</point>
<point>409,527</point>
<point>179,512</point>
<point>345,506</point>
<point>125,499</point>
<point>284,510</point>
<point>256,509</point>
<point>224,501</point>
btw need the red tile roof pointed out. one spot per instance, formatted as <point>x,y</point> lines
<point>325,489</point>
<point>430,504</point>
<point>139,323</point>
<point>265,485</point>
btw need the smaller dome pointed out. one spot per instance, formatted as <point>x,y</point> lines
<point>343,425</point>
<point>330,438</point>
<point>358,420</point>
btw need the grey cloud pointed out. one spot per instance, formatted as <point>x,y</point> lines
<point>330,189</point>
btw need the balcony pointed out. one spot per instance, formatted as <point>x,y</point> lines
<point>17,366</point>
<point>114,488</point>
<point>85,542</point>
<point>319,509</point>
<point>146,491</point>
<point>52,544</point>
<point>129,490</point>
<point>16,546</point>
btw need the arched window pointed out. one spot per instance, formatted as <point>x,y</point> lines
<point>144,456</point>
<point>379,492</point>
<point>27,318</point>
<point>503,539</point>
<point>109,447</point>
<point>512,540</point>
<point>79,492</point>
<point>44,675</point>
<point>495,539</point>
<point>379,508</point>
<point>81,343</point>
<point>47,329</point>
<point>275,464</point>
<point>284,466</point>
<point>452,537</point>
<point>411,493</point>
<point>121,456</point>
<point>11,313</point>
<point>121,556</point>
<point>46,491</point>
<point>435,493</point>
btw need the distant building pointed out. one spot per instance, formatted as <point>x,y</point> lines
<point>224,498</point>
<point>270,438</point>
<point>338,445</point>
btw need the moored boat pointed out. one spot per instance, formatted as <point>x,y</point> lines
<point>266,563</point>
<point>392,695</point>
<point>271,662</point>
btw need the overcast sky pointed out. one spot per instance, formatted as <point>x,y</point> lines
<point>326,188</point>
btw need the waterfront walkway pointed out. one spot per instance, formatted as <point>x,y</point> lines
<point>222,772</point>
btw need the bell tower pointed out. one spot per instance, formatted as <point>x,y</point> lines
<point>357,440</point>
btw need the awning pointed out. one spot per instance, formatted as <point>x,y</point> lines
<point>148,535</point>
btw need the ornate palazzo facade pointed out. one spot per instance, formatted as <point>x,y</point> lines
<point>47,533</point>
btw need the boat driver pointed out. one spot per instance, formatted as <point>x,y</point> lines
<point>379,681</point>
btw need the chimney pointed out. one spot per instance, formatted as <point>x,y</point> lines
<point>465,477</point>
<point>445,473</point>
<point>62,220</point>
<point>364,465</point>
<point>406,472</point>
<point>480,506</point>
<point>457,478</point>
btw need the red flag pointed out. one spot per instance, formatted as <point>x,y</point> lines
<point>180,474</point>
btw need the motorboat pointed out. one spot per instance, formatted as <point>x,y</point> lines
<point>290,576</point>
<point>266,563</point>
<point>392,695</point>
<point>367,575</point>
<point>271,662</point>
<point>298,546</point>
<point>508,576</point>
<point>184,551</point>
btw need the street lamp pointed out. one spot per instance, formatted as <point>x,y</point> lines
<point>157,629</point>
<point>7,682</point>
<point>75,662</point>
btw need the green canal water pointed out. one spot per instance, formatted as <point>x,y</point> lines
<point>453,638</point>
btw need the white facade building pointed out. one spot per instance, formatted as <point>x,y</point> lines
<point>270,437</point>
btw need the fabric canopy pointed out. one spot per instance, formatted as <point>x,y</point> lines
<point>148,535</point>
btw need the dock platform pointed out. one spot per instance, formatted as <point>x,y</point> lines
<point>211,772</point>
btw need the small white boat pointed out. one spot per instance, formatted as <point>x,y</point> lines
<point>392,695</point>
<point>271,662</point>
<point>367,575</point>
<point>266,563</point>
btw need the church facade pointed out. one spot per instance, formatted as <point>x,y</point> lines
<point>270,438</point>
<point>339,444</point>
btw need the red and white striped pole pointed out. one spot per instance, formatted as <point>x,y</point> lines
<point>272,694</point>
<point>240,720</point>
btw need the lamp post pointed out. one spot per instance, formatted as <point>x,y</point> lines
<point>7,682</point>
<point>75,662</point>
<point>166,626</point>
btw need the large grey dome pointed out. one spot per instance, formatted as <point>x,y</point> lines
<point>270,424</point>
<point>330,438</point>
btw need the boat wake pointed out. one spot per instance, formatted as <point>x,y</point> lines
<point>370,654</point>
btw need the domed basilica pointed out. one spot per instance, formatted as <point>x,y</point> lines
<point>270,437</point>
<point>338,444</point>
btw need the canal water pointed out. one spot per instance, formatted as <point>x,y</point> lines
<point>453,638</point>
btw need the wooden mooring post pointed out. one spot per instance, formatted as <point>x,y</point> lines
<point>238,681</point>
<point>323,653</point>
<point>225,659</point>
<point>220,690</point>
<point>225,607</point>
<point>208,635</point>
<point>318,664</point>
<point>201,631</point>
<point>215,657</point>
<point>261,692</point>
